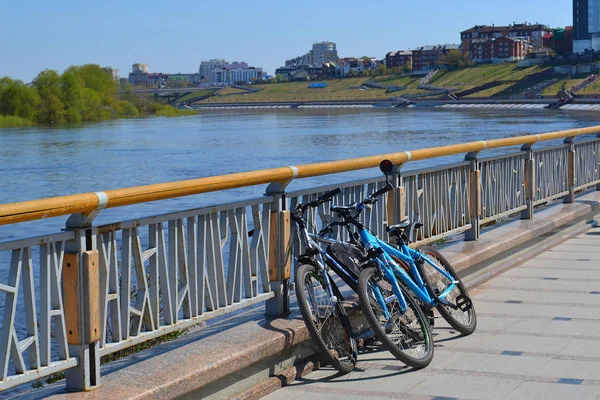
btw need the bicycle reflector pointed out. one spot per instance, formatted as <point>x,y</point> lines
<point>386,166</point>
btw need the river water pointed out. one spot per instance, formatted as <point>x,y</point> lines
<point>37,163</point>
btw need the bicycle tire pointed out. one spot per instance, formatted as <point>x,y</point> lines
<point>397,333</point>
<point>332,335</point>
<point>463,321</point>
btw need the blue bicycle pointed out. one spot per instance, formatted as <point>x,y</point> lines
<point>384,287</point>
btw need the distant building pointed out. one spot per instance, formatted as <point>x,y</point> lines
<point>207,67</point>
<point>426,58</point>
<point>300,60</point>
<point>221,72</point>
<point>561,40</point>
<point>184,79</point>
<point>532,33</point>
<point>139,68</point>
<point>398,58</point>
<point>497,50</point>
<point>323,52</point>
<point>157,79</point>
<point>586,26</point>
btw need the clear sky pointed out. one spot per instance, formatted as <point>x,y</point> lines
<point>176,36</point>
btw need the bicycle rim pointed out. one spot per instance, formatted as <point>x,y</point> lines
<point>327,322</point>
<point>463,321</point>
<point>406,335</point>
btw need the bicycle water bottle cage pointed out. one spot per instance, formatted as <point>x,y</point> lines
<point>405,230</point>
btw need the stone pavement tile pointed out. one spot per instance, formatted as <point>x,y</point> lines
<point>593,329</point>
<point>572,369</point>
<point>466,386</point>
<point>504,309</point>
<point>368,376</point>
<point>579,263</point>
<point>485,323</point>
<point>566,256</point>
<point>544,297</point>
<point>572,328</point>
<point>583,348</point>
<point>525,343</point>
<point>500,364</point>
<point>475,341</point>
<point>540,283</point>
<point>530,390</point>
<point>555,273</point>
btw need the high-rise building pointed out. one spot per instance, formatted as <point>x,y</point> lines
<point>323,52</point>
<point>586,25</point>
<point>207,67</point>
<point>139,68</point>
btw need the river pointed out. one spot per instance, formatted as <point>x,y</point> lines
<point>39,162</point>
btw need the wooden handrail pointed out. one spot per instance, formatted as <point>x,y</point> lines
<point>87,202</point>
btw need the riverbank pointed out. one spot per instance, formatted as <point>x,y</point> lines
<point>482,82</point>
<point>532,104</point>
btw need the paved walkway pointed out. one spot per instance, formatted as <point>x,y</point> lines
<point>538,337</point>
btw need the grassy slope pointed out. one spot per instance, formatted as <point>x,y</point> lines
<point>194,95</point>
<point>558,86</point>
<point>348,89</point>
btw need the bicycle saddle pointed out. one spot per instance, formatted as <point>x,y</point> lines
<point>342,209</point>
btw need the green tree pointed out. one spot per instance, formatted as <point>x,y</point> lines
<point>17,99</point>
<point>92,105</point>
<point>48,85</point>
<point>381,70</point>
<point>95,78</point>
<point>455,59</point>
<point>72,96</point>
<point>126,109</point>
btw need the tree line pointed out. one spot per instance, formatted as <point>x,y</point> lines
<point>80,94</point>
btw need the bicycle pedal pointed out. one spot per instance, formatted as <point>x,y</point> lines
<point>463,302</point>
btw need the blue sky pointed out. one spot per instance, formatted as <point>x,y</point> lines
<point>176,36</point>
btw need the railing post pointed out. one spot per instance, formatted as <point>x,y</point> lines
<point>81,290</point>
<point>598,158</point>
<point>280,253</point>
<point>571,173</point>
<point>474,196</point>
<point>530,188</point>
<point>396,199</point>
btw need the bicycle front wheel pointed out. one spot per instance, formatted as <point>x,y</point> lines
<point>436,283</point>
<point>406,335</point>
<point>326,320</point>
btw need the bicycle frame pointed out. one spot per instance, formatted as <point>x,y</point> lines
<point>392,270</point>
<point>408,256</point>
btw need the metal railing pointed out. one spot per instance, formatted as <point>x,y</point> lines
<point>89,291</point>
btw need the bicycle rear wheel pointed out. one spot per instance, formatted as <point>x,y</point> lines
<point>406,336</point>
<point>327,322</point>
<point>436,283</point>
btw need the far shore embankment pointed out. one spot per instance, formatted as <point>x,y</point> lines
<point>405,103</point>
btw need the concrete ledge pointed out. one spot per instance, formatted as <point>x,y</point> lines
<point>253,359</point>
